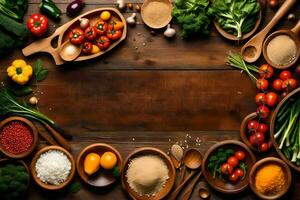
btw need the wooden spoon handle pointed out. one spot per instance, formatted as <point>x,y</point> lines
<point>190,188</point>
<point>62,141</point>
<point>285,7</point>
<point>175,193</point>
<point>296,28</point>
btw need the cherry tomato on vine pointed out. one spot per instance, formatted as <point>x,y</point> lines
<point>289,84</point>
<point>263,111</point>
<point>266,71</point>
<point>239,155</point>
<point>233,178</point>
<point>277,84</point>
<point>260,98</point>
<point>257,139</point>
<point>263,128</point>
<point>262,84</point>
<point>252,125</point>
<point>233,161</point>
<point>239,173</point>
<point>264,147</point>
<point>285,74</point>
<point>271,99</point>
<point>226,169</point>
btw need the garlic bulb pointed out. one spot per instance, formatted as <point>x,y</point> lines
<point>131,20</point>
<point>169,32</point>
<point>84,23</point>
<point>33,101</point>
<point>121,4</point>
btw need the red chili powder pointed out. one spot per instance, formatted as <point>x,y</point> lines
<point>16,137</point>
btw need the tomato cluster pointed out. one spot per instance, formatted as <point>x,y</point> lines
<point>234,169</point>
<point>97,37</point>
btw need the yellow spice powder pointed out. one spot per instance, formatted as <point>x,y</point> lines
<point>270,179</point>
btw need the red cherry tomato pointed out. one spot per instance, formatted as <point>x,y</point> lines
<point>277,84</point>
<point>271,99</point>
<point>266,71</point>
<point>239,155</point>
<point>257,139</point>
<point>264,147</point>
<point>260,98</point>
<point>263,128</point>
<point>239,173</point>
<point>285,74</point>
<point>252,125</point>
<point>262,84</point>
<point>233,178</point>
<point>226,169</point>
<point>233,161</point>
<point>263,111</point>
<point>289,85</point>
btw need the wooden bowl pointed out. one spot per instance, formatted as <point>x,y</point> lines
<point>152,22</point>
<point>61,35</point>
<point>219,185</point>
<point>245,36</point>
<point>263,162</point>
<point>49,186</point>
<point>102,178</point>
<point>243,130</point>
<point>8,161</point>
<point>33,131</point>
<point>296,92</point>
<point>149,151</point>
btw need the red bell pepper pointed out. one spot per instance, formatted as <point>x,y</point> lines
<point>90,33</point>
<point>37,24</point>
<point>114,34</point>
<point>76,36</point>
<point>103,42</point>
<point>87,47</point>
<point>101,27</point>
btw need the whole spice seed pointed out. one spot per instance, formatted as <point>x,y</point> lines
<point>177,152</point>
<point>16,137</point>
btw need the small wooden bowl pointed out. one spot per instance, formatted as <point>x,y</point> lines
<point>33,131</point>
<point>20,162</point>
<point>149,151</point>
<point>263,162</point>
<point>49,186</point>
<point>219,185</point>
<point>152,24</point>
<point>243,130</point>
<point>296,93</point>
<point>102,178</point>
<point>245,36</point>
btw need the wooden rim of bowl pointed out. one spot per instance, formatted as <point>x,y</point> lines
<point>151,25</point>
<point>155,151</point>
<point>271,37</point>
<point>87,148</point>
<point>34,132</point>
<point>262,162</point>
<point>245,36</point>
<point>45,185</point>
<point>216,146</point>
<point>243,132</point>
<point>21,162</point>
<point>272,129</point>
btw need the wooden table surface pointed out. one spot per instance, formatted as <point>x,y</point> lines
<point>149,91</point>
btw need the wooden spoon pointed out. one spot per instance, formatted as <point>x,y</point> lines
<point>253,48</point>
<point>69,51</point>
<point>190,188</point>
<point>203,190</point>
<point>294,35</point>
<point>192,160</point>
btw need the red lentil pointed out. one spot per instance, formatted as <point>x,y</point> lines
<point>16,137</point>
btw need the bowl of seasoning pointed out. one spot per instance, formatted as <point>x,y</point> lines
<point>53,168</point>
<point>18,137</point>
<point>148,174</point>
<point>14,179</point>
<point>270,178</point>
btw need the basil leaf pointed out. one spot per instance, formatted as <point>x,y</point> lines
<point>42,75</point>
<point>40,72</point>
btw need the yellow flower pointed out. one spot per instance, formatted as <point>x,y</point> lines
<point>19,72</point>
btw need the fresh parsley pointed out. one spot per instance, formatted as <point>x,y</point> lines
<point>216,160</point>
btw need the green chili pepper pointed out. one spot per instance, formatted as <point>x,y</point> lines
<point>50,9</point>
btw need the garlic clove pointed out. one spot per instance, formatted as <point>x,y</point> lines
<point>131,20</point>
<point>169,32</point>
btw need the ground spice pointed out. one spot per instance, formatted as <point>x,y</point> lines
<point>156,13</point>
<point>16,137</point>
<point>270,179</point>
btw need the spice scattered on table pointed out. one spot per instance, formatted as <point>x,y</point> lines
<point>282,50</point>
<point>53,167</point>
<point>147,175</point>
<point>16,137</point>
<point>270,179</point>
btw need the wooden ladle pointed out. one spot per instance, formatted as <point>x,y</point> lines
<point>253,48</point>
<point>192,160</point>
<point>69,51</point>
<point>294,35</point>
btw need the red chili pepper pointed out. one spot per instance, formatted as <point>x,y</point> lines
<point>114,34</point>
<point>101,27</point>
<point>90,33</point>
<point>37,24</point>
<point>76,36</point>
<point>87,47</point>
<point>103,42</point>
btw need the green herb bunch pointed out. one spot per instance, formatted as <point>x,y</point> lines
<point>216,160</point>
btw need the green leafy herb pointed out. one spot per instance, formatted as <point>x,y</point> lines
<point>15,9</point>
<point>116,172</point>
<point>243,166</point>
<point>192,16</point>
<point>75,187</point>
<point>40,73</point>
<point>216,160</point>
<point>235,16</point>
<point>20,90</point>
